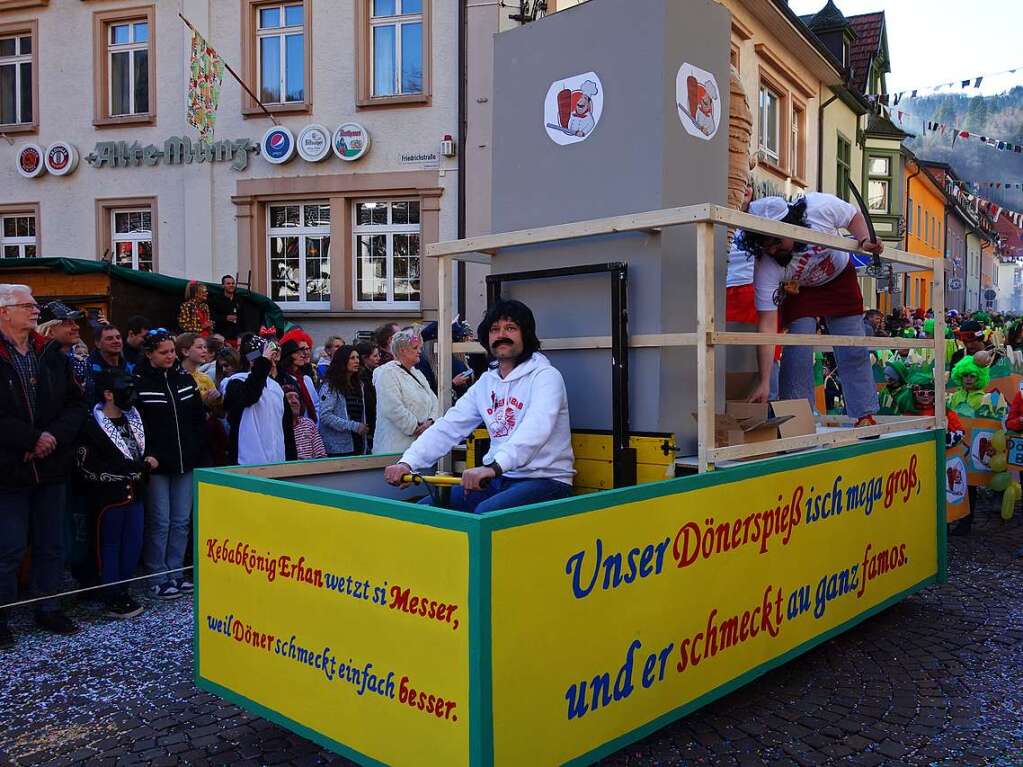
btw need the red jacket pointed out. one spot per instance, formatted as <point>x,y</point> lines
<point>1015,420</point>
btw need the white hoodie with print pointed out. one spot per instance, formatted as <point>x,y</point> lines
<point>525,413</point>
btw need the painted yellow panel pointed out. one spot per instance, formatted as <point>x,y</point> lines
<point>313,621</point>
<point>632,611</point>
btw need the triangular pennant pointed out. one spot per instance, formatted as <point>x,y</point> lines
<point>976,83</point>
<point>966,83</point>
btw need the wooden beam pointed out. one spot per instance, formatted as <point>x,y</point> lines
<point>642,341</point>
<point>312,468</point>
<point>706,406</point>
<point>793,339</point>
<point>633,222</point>
<point>825,439</point>
<point>445,315</point>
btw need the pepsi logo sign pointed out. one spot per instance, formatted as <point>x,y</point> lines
<point>278,145</point>
<point>30,161</point>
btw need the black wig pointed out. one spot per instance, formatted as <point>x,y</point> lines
<point>520,314</point>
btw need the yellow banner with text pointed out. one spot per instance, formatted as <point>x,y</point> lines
<point>352,625</point>
<point>607,620</point>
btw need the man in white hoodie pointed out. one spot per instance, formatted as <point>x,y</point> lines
<point>522,401</point>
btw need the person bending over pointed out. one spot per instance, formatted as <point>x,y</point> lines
<point>522,401</point>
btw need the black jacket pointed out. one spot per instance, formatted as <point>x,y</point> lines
<point>241,394</point>
<point>59,411</point>
<point>175,418</point>
<point>110,476</point>
<point>220,307</point>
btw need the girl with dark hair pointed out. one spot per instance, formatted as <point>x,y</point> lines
<point>343,424</point>
<point>369,360</point>
<point>113,463</point>
<point>795,284</point>
<point>175,419</point>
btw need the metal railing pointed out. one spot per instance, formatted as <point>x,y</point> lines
<point>707,337</point>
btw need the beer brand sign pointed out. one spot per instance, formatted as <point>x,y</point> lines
<point>177,150</point>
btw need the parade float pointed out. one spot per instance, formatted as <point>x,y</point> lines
<point>706,543</point>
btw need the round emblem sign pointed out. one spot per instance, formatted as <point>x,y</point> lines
<point>278,145</point>
<point>313,143</point>
<point>61,158</point>
<point>350,141</point>
<point>30,161</point>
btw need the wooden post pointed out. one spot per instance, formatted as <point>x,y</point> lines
<point>706,406</point>
<point>938,304</point>
<point>445,274</point>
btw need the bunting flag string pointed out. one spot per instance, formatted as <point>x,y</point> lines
<point>963,83</point>
<point>971,201</point>
<point>958,134</point>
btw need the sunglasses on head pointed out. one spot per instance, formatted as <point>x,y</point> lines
<point>158,332</point>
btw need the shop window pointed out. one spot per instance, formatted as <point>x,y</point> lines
<point>18,235</point>
<point>280,49</point>
<point>844,170</point>
<point>879,184</point>
<point>125,66</point>
<point>770,123</point>
<point>387,239</point>
<point>132,238</point>
<point>16,94</point>
<point>298,251</point>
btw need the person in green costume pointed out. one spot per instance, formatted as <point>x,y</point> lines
<point>970,399</point>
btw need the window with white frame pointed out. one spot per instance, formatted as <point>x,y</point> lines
<point>128,65</point>
<point>132,234</point>
<point>396,39</point>
<point>879,184</point>
<point>770,122</point>
<point>298,254</point>
<point>15,79</point>
<point>280,45</point>
<point>18,235</point>
<point>387,248</point>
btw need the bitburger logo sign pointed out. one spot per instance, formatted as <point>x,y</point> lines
<point>313,143</point>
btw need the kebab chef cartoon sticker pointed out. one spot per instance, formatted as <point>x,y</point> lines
<point>573,107</point>
<point>699,101</point>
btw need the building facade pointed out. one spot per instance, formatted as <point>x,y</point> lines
<point>328,218</point>
<point>925,228</point>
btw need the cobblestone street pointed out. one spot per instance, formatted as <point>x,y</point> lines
<point>934,680</point>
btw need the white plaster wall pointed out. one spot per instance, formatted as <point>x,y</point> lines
<point>196,230</point>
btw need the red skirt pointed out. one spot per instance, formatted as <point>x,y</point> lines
<point>839,298</point>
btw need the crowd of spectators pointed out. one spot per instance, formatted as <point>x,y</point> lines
<point>113,433</point>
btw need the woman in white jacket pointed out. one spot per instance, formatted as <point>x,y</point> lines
<point>406,407</point>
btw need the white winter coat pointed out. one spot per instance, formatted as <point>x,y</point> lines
<point>403,402</point>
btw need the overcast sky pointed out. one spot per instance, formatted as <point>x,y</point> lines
<point>935,41</point>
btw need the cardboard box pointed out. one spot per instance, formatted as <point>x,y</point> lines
<point>747,423</point>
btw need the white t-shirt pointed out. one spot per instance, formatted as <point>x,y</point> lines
<point>813,267</point>
<point>740,265</point>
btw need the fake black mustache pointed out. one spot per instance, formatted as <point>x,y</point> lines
<point>500,342</point>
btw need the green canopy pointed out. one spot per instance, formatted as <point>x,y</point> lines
<point>175,286</point>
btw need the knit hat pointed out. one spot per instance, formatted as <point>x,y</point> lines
<point>967,367</point>
<point>896,371</point>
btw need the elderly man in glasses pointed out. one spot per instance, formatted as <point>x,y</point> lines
<point>41,412</point>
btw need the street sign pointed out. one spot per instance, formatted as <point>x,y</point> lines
<point>955,283</point>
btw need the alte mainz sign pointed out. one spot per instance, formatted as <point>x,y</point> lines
<point>177,150</point>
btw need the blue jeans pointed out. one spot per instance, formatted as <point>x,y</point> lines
<point>120,543</point>
<point>168,514</point>
<point>37,512</point>
<point>505,493</point>
<point>796,378</point>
